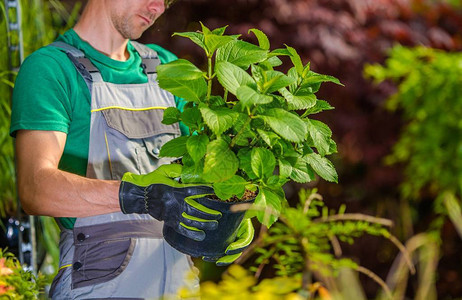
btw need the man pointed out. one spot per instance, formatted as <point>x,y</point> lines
<point>86,117</point>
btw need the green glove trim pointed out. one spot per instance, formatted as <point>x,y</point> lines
<point>244,236</point>
<point>162,175</point>
<point>189,227</point>
<point>228,259</point>
<point>192,218</point>
<point>189,200</point>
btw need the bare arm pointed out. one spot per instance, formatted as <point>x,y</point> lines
<point>46,190</point>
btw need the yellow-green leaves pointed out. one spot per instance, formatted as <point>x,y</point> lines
<point>232,77</point>
<point>289,126</point>
<point>182,79</point>
<point>220,162</point>
<point>298,101</point>
<point>245,128</point>
<point>171,116</point>
<point>263,41</point>
<point>241,54</point>
<point>218,119</point>
<point>322,166</point>
<point>228,188</point>
<point>321,135</point>
<point>174,148</point>
<point>263,162</point>
<point>197,146</point>
<point>248,96</point>
<point>215,39</point>
<point>268,204</point>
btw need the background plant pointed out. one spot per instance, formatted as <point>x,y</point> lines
<point>304,249</point>
<point>240,137</point>
<point>430,146</point>
<point>15,282</point>
<point>41,22</point>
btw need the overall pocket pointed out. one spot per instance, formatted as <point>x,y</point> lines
<point>100,262</point>
<point>102,252</point>
<point>134,139</point>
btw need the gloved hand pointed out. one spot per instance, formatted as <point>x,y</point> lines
<point>244,237</point>
<point>167,200</point>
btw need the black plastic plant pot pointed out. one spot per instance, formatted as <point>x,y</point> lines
<point>216,241</point>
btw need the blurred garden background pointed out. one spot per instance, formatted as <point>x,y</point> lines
<point>397,121</point>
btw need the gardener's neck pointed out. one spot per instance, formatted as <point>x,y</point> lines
<point>95,27</point>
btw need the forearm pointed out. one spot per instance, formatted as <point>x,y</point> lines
<point>56,193</point>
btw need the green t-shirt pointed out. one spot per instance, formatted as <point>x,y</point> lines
<point>50,94</point>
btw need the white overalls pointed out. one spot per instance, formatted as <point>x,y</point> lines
<point>117,256</point>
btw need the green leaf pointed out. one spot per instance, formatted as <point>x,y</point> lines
<point>285,168</point>
<point>296,60</point>
<point>322,166</point>
<point>320,106</point>
<point>274,61</point>
<point>219,31</point>
<point>196,37</point>
<point>217,101</point>
<point>313,78</point>
<point>270,203</point>
<point>281,51</point>
<point>180,69</point>
<point>220,162</point>
<point>171,116</point>
<point>205,29</point>
<point>258,74</point>
<point>270,138</point>
<point>276,81</point>
<point>192,117</point>
<point>218,119</point>
<point>197,146</point>
<point>298,101</point>
<point>263,41</point>
<point>182,79</point>
<point>192,171</point>
<point>245,159</point>
<point>213,42</point>
<point>241,54</point>
<point>292,73</point>
<point>301,172</point>
<point>321,134</point>
<point>232,77</point>
<point>248,96</point>
<point>243,138</point>
<point>263,162</point>
<point>289,126</point>
<point>228,188</point>
<point>175,147</point>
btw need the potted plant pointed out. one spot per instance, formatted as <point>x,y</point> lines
<point>256,134</point>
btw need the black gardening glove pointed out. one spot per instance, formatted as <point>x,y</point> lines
<point>167,200</point>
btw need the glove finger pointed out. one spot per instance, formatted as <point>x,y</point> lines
<point>190,232</point>
<point>244,237</point>
<point>227,259</point>
<point>198,210</point>
<point>199,223</point>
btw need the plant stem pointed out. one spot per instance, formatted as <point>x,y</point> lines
<point>356,217</point>
<point>209,78</point>
<point>225,95</point>
<point>377,279</point>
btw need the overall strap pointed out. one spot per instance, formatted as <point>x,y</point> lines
<point>83,65</point>
<point>150,59</point>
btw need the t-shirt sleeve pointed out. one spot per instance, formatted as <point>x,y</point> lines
<point>41,95</point>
